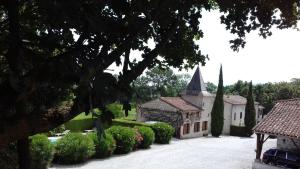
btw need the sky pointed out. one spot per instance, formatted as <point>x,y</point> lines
<point>274,59</point>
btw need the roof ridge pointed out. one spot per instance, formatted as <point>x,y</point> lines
<point>164,99</point>
<point>287,100</point>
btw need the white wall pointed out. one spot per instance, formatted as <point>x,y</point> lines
<point>241,108</point>
<point>227,118</point>
<point>238,121</point>
<point>207,107</point>
<point>192,119</point>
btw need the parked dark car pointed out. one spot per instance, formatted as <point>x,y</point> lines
<point>282,158</point>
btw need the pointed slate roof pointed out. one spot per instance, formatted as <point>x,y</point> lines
<point>197,84</point>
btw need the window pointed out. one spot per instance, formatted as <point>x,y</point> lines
<point>198,114</point>
<point>241,115</point>
<point>187,116</point>
<point>196,127</point>
<point>204,125</point>
<point>234,116</point>
<point>186,128</point>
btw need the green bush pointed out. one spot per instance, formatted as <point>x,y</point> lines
<point>125,138</point>
<point>147,134</point>
<point>163,132</point>
<point>105,145</point>
<point>238,131</point>
<point>74,148</point>
<point>128,123</point>
<point>116,109</point>
<point>79,125</point>
<point>41,151</point>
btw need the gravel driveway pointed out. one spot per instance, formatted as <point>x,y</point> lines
<point>226,152</point>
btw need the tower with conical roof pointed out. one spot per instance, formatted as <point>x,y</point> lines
<point>196,84</point>
<point>195,89</point>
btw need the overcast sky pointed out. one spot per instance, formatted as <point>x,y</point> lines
<point>274,59</point>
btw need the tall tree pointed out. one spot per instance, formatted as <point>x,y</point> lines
<point>249,112</point>
<point>217,112</point>
<point>54,54</point>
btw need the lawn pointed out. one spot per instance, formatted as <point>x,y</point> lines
<point>83,122</point>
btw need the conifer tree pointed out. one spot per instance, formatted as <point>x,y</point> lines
<point>217,113</point>
<point>249,112</point>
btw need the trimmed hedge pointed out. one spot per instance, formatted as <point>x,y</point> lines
<point>125,138</point>
<point>163,132</point>
<point>105,145</point>
<point>147,134</point>
<point>129,123</point>
<point>42,151</point>
<point>74,148</point>
<point>80,125</point>
<point>238,131</point>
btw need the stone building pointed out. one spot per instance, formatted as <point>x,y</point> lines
<point>282,121</point>
<point>190,115</point>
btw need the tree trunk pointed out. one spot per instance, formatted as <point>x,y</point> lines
<point>23,153</point>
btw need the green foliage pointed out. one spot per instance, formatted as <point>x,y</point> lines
<point>147,134</point>
<point>250,112</point>
<point>74,148</point>
<point>116,109</point>
<point>80,125</point>
<point>217,112</point>
<point>210,87</point>
<point>128,123</point>
<point>159,82</point>
<point>41,151</point>
<point>238,131</point>
<point>37,44</point>
<point>163,132</point>
<point>105,144</point>
<point>266,94</point>
<point>125,138</point>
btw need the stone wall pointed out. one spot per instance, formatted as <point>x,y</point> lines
<point>175,119</point>
<point>285,143</point>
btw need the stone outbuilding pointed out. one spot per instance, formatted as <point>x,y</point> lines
<point>282,121</point>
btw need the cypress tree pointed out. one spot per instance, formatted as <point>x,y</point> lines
<point>249,112</point>
<point>217,113</point>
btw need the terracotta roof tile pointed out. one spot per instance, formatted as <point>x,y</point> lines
<point>283,119</point>
<point>179,103</point>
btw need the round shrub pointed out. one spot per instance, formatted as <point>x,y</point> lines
<point>41,151</point>
<point>105,145</point>
<point>163,132</point>
<point>147,134</point>
<point>74,148</point>
<point>125,138</point>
